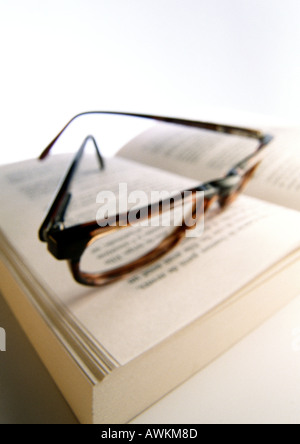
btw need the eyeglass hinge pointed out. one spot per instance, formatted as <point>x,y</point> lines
<point>208,189</point>
<point>58,226</point>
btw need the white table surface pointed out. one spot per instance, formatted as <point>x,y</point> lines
<point>257,381</point>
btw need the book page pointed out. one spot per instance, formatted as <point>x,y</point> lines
<point>131,316</point>
<point>206,155</point>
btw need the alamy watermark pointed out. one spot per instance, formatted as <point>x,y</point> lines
<point>2,340</point>
<point>143,209</point>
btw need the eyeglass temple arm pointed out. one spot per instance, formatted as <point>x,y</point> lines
<point>59,206</point>
<point>190,123</point>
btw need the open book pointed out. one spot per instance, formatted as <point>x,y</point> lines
<point>114,351</point>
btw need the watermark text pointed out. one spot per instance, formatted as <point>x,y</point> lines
<point>154,209</point>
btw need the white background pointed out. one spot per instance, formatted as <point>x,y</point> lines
<point>189,58</point>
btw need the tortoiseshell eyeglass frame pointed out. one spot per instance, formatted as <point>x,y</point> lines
<point>70,243</point>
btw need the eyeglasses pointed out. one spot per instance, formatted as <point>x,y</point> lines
<point>136,249</point>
